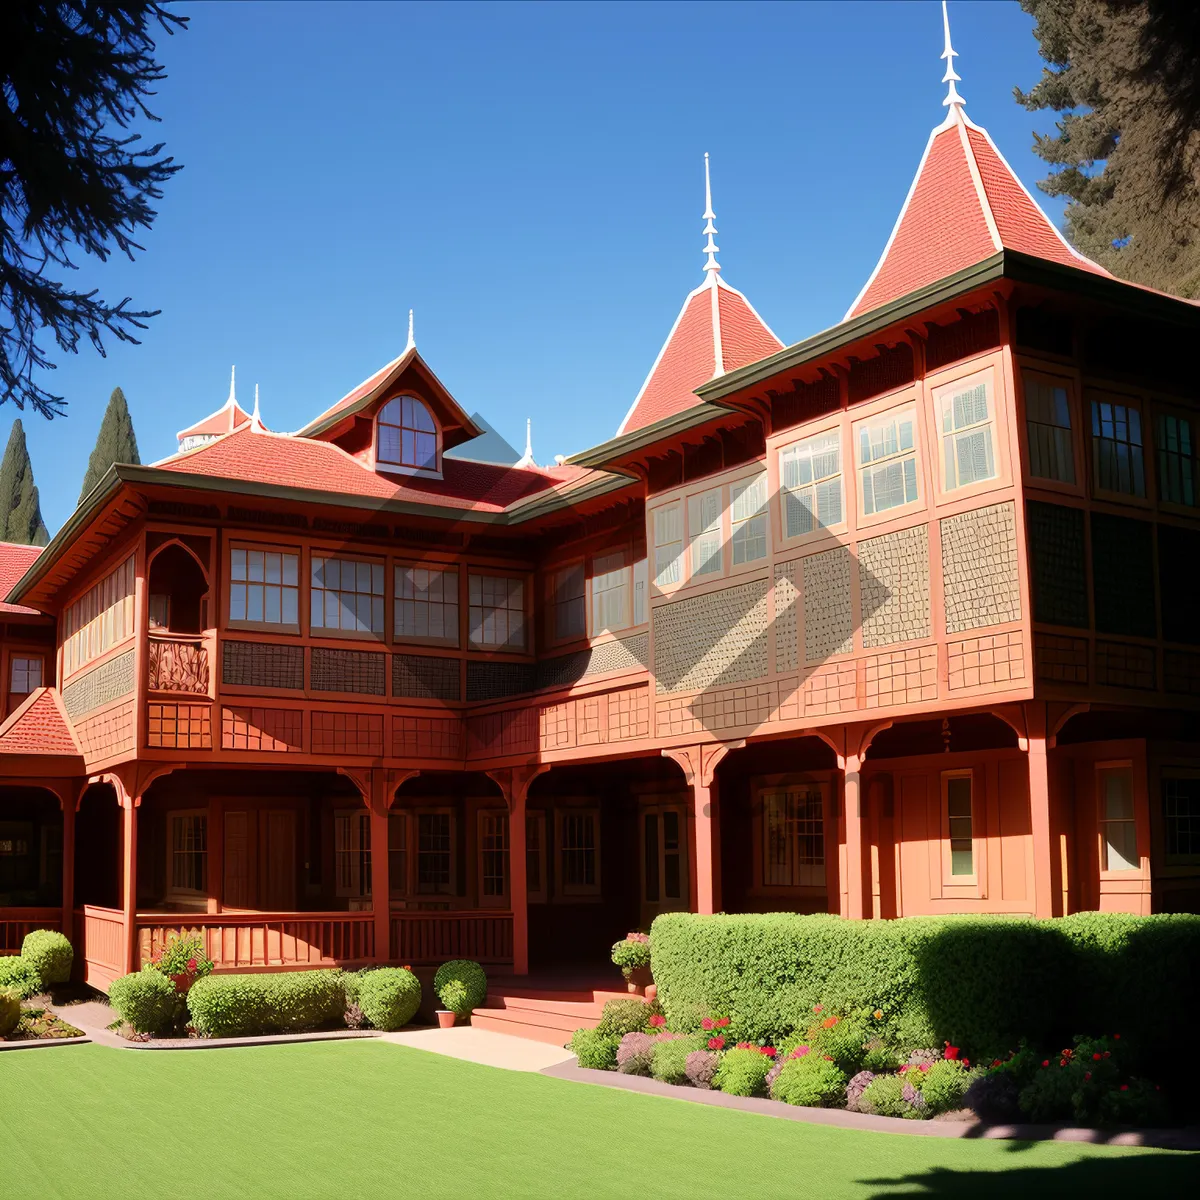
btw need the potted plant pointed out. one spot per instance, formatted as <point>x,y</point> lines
<point>183,961</point>
<point>461,986</point>
<point>632,955</point>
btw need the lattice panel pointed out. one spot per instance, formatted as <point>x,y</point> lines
<point>1181,672</point>
<point>629,714</point>
<point>1123,575</point>
<point>828,621</point>
<point>830,689</point>
<point>512,732</point>
<point>269,730</point>
<point>622,654</point>
<point>901,677</point>
<point>893,583</point>
<point>179,726</point>
<point>1059,659</point>
<point>426,677</point>
<point>1058,562</point>
<point>988,661</point>
<point>427,737</point>
<point>979,568</point>
<point>556,726</point>
<point>102,685</point>
<point>1119,664</point>
<point>347,733</point>
<point>357,671</point>
<point>107,734</point>
<point>711,640</point>
<point>711,712</point>
<point>495,680</point>
<point>262,665</point>
<point>787,622</point>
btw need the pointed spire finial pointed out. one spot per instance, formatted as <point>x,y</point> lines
<point>710,247</point>
<point>411,344</point>
<point>232,388</point>
<point>256,423</point>
<point>526,459</point>
<point>951,76</point>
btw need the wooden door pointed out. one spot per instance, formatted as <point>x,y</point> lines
<point>278,860</point>
<point>664,866</point>
<point>240,875</point>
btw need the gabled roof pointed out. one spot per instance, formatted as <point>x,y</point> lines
<point>457,427</point>
<point>15,560</point>
<point>39,726</point>
<point>230,416</point>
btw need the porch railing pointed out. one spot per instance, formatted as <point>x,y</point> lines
<point>248,940</point>
<point>100,944</point>
<point>15,923</point>
<point>178,664</point>
<point>429,937</point>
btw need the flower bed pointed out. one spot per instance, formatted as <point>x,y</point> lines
<point>860,1059</point>
<point>41,1025</point>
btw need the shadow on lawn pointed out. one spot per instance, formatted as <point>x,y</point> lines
<point>1153,1173</point>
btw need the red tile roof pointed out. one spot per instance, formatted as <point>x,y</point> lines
<point>15,560</point>
<point>964,205</point>
<point>706,340</point>
<point>357,393</point>
<point>291,461</point>
<point>39,726</point>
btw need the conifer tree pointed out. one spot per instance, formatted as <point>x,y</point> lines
<point>115,443</point>
<point>20,510</point>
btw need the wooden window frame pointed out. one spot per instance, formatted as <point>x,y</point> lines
<point>499,647</point>
<point>679,561</point>
<point>400,883</point>
<point>942,395</point>
<point>283,549</point>
<point>100,627</point>
<point>905,409</point>
<point>360,861</point>
<point>625,573</point>
<point>535,819</point>
<point>949,879</point>
<point>575,893</point>
<point>178,895</point>
<point>402,468</point>
<point>760,787</point>
<point>451,888</point>
<point>1126,766</point>
<point>1075,414</point>
<point>504,899</point>
<point>657,806</point>
<point>553,603</point>
<point>25,656</point>
<point>1149,481</point>
<point>757,478</point>
<point>384,596</point>
<point>1159,412</point>
<point>819,530</point>
<point>443,569</point>
<point>698,497</point>
<point>1181,863</point>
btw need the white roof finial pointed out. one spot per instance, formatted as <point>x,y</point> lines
<point>710,247</point>
<point>412,343</point>
<point>256,424</point>
<point>232,388</point>
<point>950,54</point>
<point>526,459</point>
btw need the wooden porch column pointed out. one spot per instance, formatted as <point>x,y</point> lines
<point>381,884</point>
<point>699,765</point>
<point>1039,816</point>
<point>514,784</point>
<point>216,853</point>
<point>69,799</point>
<point>129,807</point>
<point>856,876</point>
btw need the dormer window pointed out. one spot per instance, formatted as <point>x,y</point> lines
<point>407,435</point>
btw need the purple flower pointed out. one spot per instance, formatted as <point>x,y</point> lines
<point>856,1087</point>
<point>635,1053</point>
<point>700,1067</point>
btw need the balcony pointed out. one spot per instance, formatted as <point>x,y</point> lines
<point>178,663</point>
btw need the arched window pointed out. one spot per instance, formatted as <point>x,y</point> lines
<point>407,435</point>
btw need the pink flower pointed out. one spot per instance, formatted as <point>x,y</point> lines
<point>658,1020</point>
<point>1124,1087</point>
<point>720,1023</point>
<point>716,1043</point>
<point>800,1052</point>
<point>769,1051</point>
<point>707,1023</point>
<point>818,1008</point>
<point>923,1068</point>
<point>191,964</point>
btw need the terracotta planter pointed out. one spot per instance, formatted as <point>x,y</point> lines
<point>638,980</point>
<point>182,983</point>
<point>446,1018</point>
<point>651,992</point>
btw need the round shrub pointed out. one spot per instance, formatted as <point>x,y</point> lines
<point>884,1097</point>
<point>812,1081</point>
<point>742,1073</point>
<point>625,1016</point>
<point>146,1001</point>
<point>632,954</point>
<point>700,1067</point>
<point>944,1085</point>
<point>10,1010</point>
<point>50,955</point>
<point>635,1054</point>
<point>389,998</point>
<point>994,1097</point>
<point>595,1051</point>
<point>474,985</point>
<point>856,1087</point>
<point>18,973</point>
<point>669,1060</point>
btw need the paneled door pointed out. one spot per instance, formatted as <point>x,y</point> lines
<point>664,864</point>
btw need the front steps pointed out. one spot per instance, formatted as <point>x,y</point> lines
<point>541,1013</point>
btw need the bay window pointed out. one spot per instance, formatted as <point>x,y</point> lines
<point>968,455</point>
<point>1048,426</point>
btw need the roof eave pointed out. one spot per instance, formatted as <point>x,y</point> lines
<point>603,455</point>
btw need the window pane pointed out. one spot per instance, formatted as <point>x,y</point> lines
<point>960,818</point>
<point>1181,817</point>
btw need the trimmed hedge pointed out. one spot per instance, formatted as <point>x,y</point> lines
<point>50,955</point>
<point>248,1005</point>
<point>473,990</point>
<point>982,983</point>
<point>389,997</point>
<point>18,973</point>
<point>147,1001</point>
<point>10,1010</point>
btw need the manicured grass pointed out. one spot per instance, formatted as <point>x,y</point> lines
<point>365,1118</point>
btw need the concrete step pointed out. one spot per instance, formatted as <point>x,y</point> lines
<point>580,1009</point>
<point>506,1020</point>
<point>568,1022</point>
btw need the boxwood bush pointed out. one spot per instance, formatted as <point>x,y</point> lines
<point>474,985</point>
<point>248,1005</point>
<point>595,1050</point>
<point>10,1010</point>
<point>50,955</point>
<point>146,1001</point>
<point>389,997</point>
<point>17,973</point>
<point>982,983</point>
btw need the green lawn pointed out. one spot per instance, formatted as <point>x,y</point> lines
<point>364,1118</point>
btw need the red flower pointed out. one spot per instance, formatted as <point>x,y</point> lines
<point>799,1052</point>
<point>1062,1062</point>
<point>1117,1036</point>
<point>995,1062</point>
<point>818,1008</point>
<point>966,1062</point>
<point>743,1046</point>
<point>1107,1053</point>
<point>1124,1087</point>
<point>951,1052</point>
<point>923,1068</point>
<point>191,964</point>
<point>1045,1062</point>
<point>1097,1057</point>
<point>658,1020</point>
<point>716,1043</point>
<point>828,1059</point>
<point>769,1051</point>
<point>829,1022</point>
<point>707,1023</point>
<point>1087,1075</point>
<point>720,1023</point>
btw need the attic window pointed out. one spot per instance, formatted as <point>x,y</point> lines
<point>407,435</point>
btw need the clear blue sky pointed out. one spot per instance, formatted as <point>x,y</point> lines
<point>529,178</point>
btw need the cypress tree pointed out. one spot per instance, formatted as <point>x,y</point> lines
<point>20,510</point>
<point>115,443</point>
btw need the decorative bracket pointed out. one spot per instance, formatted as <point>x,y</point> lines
<point>699,763</point>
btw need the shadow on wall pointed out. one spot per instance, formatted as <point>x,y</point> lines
<point>1147,1173</point>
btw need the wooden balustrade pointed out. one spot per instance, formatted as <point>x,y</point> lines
<point>434,937</point>
<point>15,923</point>
<point>239,941</point>
<point>100,944</point>
<point>178,664</point>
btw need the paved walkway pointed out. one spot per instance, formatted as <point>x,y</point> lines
<point>483,1046</point>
